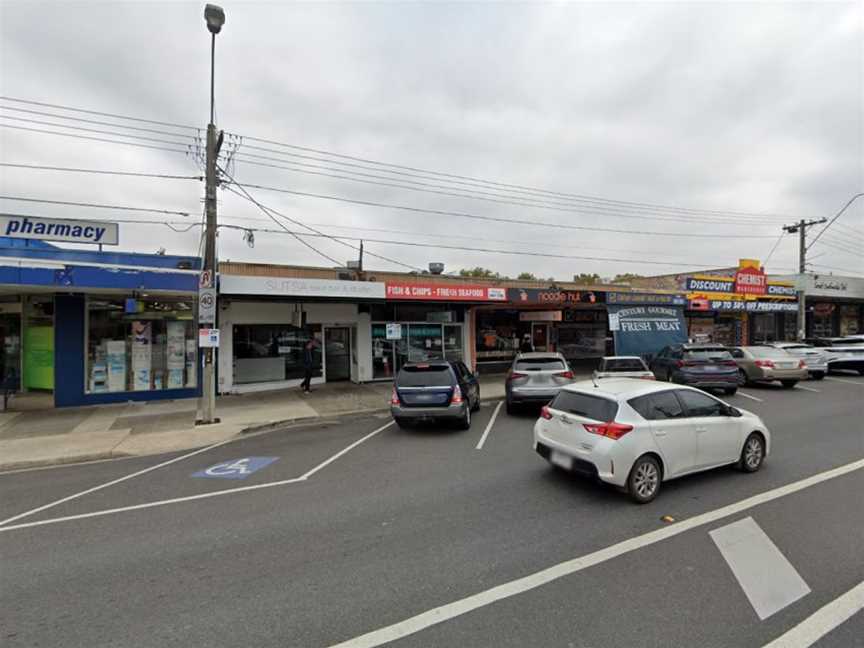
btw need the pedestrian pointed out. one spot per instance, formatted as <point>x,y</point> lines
<point>308,365</point>
<point>526,347</point>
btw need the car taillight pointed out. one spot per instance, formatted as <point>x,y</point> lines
<point>513,375</point>
<point>457,396</point>
<point>611,429</point>
<point>729,363</point>
<point>545,413</point>
<point>394,397</point>
<point>802,364</point>
<point>685,363</point>
<point>565,374</point>
<point>766,364</point>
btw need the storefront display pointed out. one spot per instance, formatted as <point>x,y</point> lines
<point>850,316</point>
<point>274,352</point>
<point>418,342</point>
<point>139,344</point>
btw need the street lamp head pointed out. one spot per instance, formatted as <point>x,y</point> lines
<point>215,18</point>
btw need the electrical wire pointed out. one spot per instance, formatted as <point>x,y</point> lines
<point>40,167</point>
<point>511,221</point>
<point>93,121</point>
<point>94,112</point>
<point>100,139</point>
<point>473,181</point>
<point>95,205</point>
<point>488,197</point>
<point>178,226</point>
<point>100,131</point>
<point>773,249</point>
<point>840,247</point>
<point>855,272</point>
<point>836,216</point>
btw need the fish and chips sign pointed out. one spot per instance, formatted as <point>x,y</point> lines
<point>59,229</point>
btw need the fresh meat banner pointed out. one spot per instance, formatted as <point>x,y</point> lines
<point>444,292</point>
<point>644,330</point>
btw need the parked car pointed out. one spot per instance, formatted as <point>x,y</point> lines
<point>535,378</point>
<point>845,353</point>
<point>637,434</point>
<point>768,364</point>
<point>435,391</point>
<point>817,363</point>
<point>623,367</point>
<point>708,366</point>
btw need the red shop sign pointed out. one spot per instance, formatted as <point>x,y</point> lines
<point>444,292</point>
<point>751,281</point>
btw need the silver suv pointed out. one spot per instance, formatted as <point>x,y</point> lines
<point>536,378</point>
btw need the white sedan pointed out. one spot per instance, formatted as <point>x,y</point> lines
<point>637,434</point>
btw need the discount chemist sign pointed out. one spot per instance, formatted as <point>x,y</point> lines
<point>59,229</point>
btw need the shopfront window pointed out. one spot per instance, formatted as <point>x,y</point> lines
<point>274,352</point>
<point>141,344</point>
<point>418,342</point>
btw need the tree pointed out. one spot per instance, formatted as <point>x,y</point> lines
<point>483,273</point>
<point>625,277</point>
<point>527,276</point>
<point>585,278</point>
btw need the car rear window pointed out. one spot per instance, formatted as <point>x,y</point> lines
<point>768,352</point>
<point>540,364</point>
<point>586,405</point>
<point>707,354</point>
<point>624,365</point>
<point>425,376</point>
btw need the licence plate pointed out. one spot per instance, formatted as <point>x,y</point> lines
<point>712,368</point>
<point>561,459</point>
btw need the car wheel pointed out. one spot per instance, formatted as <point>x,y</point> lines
<point>788,384</point>
<point>465,421</point>
<point>476,407</point>
<point>753,453</point>
<point>731,391</point>
<point>818,375</point>
<point>742,377</point>
<point>643,484</point>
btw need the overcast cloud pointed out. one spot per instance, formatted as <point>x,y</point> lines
<point>723,106</point>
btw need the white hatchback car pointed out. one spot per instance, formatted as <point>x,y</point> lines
<point>636,434</point>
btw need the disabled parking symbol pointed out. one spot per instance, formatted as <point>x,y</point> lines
<point>235,468</point>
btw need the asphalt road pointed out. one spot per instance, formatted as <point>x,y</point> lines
<point>404,522</point>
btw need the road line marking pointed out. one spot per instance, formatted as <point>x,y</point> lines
<point>758,400</point>
<point>823,621</point>
<point>327,462</point>
<point>136,507</point>
<point>452,610</point>
<point>843,380</point>
<point>768,579</point>
<point>113,482</point>
<point>489,426</point>
<point>810,389</point>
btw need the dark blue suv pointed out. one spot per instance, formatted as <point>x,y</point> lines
<point>435,391</point>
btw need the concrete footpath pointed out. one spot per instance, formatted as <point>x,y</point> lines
<point>34,434</point>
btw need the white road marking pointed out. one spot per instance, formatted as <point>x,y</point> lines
<point>843,380</point>
<point>113,482</point>
<point>758,400</point>
<point>327,462</point>
<point>810,389</point>
<point>489,426</point>
<point>136,507</point>
<point>452,610</point>
<point>768,579</point>
<point>823,621</point>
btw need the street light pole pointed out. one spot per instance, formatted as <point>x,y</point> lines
<point>801,228</point>
<point>215,18</point>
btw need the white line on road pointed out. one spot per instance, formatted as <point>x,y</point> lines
<point>768,579</point>
<point>810,389</point>
<point>520,585</point>
<point>326,462</point>
<point>758,400</point>
<point>823,621</point>
<point>136,507</point>
<point>844,380</point>
<point>489,426</point>
<point>113,482</point>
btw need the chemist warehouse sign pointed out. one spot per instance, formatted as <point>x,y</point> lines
<point>59,229</point>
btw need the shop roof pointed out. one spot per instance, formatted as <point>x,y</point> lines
<point>38,250</point>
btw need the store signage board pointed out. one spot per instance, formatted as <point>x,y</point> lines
<point>644,298</point>
<point>208,338</point>
<point>394,331</point>
<point>540,316</point>
<point>207,306</point>
<point>59,229</point>
<point>444,292</point>
<point>297,287</point>
<point>550,296</point>
<point>751,281</point>
<point>644,330</point>
<point>751,306</point>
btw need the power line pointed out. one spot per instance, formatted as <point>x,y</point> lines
<point>98,130</point>
<point>836,216</point>
<point>94,112</point>
<point>178,226</point>
<point>841,246</point>
<point>773,249</point>
<point>490,197</point>
<point>511,221</point>
<point>522,188</point>
<point>93,121</point>
<point>94,205</point>
<point>40,167</point>
<point>101,139</point>
<point>855,272</point>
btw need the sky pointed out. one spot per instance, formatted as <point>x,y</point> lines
<point>721,121</point>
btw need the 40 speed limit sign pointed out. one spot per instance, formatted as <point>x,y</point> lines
<point>207,306</point>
